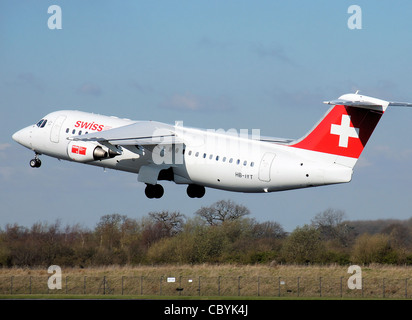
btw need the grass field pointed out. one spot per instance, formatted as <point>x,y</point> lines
<point>210,270</point>
<point>209,282</point>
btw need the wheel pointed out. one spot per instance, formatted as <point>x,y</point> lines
<point>154,191</point>
<point>149,191</point>
<point>195,191</point>
<point>158,191</point>
<point>201,191</point>
<point>35,163</point>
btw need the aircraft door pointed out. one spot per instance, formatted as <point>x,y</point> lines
<point>265,165</point>
<point>55,131</point>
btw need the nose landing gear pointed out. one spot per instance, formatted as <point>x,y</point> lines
<point>35,163</point>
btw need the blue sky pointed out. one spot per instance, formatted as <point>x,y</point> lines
<point>264,65</point>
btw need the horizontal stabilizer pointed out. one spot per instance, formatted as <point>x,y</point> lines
<point>352,103</point>
<point>361,101</point>
<point>400,104</point>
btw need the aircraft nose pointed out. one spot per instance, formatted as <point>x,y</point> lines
<point>17,136</point>
<point>21,137</point>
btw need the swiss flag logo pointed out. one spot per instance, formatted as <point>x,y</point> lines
<point>79,150</point>
<point>344,131</point>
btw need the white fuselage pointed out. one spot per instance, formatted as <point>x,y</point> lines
<point>212,159</point>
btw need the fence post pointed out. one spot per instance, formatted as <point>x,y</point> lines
<point>258,287</point>
<point>362,286</point>
<point>320,286</point>
<point>141,285</point>
<point>84,285</point>
<point>122,284</point>
<point>11,284</point>
<point>180,285</point>
<point>406,288</point>
<point>383,285</point>
<point>279,287</point>
<point>238,286</point>
<point>160,285</point>
<point>341,287</point>
<point>30,285</point>
<point>298,286</point>
<point>199,286</point>
<point>218,286</point>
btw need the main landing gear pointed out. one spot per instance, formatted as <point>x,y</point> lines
<point>154,191</point>
<point>157,191</point>
<point>195,191</point>
<point>35,163</point>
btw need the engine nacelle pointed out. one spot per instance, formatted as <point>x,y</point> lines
<point>87,151</point>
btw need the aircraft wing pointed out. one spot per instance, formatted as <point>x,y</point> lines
<point>138,133</point>
<point>275,140</point>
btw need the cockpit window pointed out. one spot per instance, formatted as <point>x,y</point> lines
<point>41,123</point>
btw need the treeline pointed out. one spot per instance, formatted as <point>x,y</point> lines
<point>220,233</point>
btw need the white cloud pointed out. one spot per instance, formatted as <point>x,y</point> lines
<point>89,89</point>
<point>186,101</point>
<point>4,146</point>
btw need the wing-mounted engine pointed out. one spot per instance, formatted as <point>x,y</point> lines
<point>82,151</point>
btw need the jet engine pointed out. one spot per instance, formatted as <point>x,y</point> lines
<point>81,151</point>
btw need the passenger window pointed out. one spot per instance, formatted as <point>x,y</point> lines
<point>252,164</point>
<point>67,130</point>
<point>197,154</point>
<point>238,161</point>
<point>74,131</point>
<point>224,159</point>
<point>204,155</point>
<point>211,156</point>
<point>245,163</point>
<point>231,160</point>
<point>190,152</point>
<point>217,158</point>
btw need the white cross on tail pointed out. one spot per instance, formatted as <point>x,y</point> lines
<point>344,131</point>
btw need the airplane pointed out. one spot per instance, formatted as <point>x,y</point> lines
<point>200,159</point>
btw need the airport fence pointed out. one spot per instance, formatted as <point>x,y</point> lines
<point>209,286</point>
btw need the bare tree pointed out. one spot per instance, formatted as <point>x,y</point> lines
<point>268,230</point>
<point>399,234</point>
<point>331,226</point>
<point>221,211</point>
<point>109,230</point>
<point>171,222</point>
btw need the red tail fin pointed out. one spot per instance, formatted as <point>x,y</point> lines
<point>344,131</point>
